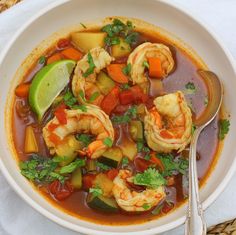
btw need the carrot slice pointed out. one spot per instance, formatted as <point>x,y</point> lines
<point>22,90</point>
<point>166,134</point>
<point>156,161</point>
<point>72,54</point>
<point>155,69</point>
<point>116,73</point>
<point>56,57</point>
<point>111,100</point>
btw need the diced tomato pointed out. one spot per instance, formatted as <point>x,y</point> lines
<point>52,126</point>
<point>61,114</point>
<point>60,191</point>
<point>55,139</point>
<point>111,174</point>
<point>63,43</point>
<point>126,97</point>
<point>141,164</point>
<point>139,95</point>
<point>111,100</point>
<point>167,207</point>
<point>88,180</point>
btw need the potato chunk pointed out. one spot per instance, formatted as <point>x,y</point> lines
<point>86,41</point>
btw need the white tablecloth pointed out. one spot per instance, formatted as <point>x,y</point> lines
<point>18,218</point>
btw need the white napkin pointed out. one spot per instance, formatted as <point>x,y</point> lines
<point>17,217</point>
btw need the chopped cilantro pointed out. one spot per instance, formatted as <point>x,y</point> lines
<point>96,191</point>
<point>126,70</point>
<point>146,206</point>
<point>145,64</point>
<point>224,128</point>
<point>139,146</point>
<point>81,94</point>
<point>84,138</point>
<point>69,99</point>
<point>147,157</point>
<point>82,107</point>
<point>72,166</point>
<point>172,165</point>
<point>40,169</point>
<point>193,128</point>
<point>42,60</point>
<point>119,29</point>
<point>102,166</point>
<point>131,113</point>
<point>108,141</point>
<point>150,178</point>
<point>94,96</point>
<point>190,88</point>
<point>91,66</point>
<point>125,86</point>
<point>125,161</point>
<point>132,38</point>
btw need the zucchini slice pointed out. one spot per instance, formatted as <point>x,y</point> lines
<point>104,83</point>
<point>76,179</point>
<point>136,130</point>
<point>112,157</point>
<point>102,203</point>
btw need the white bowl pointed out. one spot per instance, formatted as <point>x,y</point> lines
<point>166,15</point>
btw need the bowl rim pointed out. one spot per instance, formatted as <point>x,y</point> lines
<point>78,228</point>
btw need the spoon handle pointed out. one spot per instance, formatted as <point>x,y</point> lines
<point>195,223</point>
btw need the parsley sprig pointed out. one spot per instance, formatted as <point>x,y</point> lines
<point>224,128</point>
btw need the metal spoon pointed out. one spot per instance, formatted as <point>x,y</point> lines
<point>195,223</point>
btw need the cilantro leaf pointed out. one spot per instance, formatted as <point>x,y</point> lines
<point>145,64</point>
<point>72,166</point>
<point>94,96</point>
<point>84,138</point>
<point>190,88</point>
<point>91,66</point>
<point>108,141</point>
<point>125,161</point>
<point>150,178</point>
<point>96,191</point>
<point>146,206</point>
<point>224,128</point>
<point>172,165</point>
<point>39,169</point>
<point>82,107</point>
<point>130,113</point>
<point>125,86</point>
<point>69,99</point>
<point>193,128</point>
<point>102,166</point>
<point>132,38</point>
<point>42,60</point>
<point>126,70</point>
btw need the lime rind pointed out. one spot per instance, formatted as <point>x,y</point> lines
<point>48,84</point>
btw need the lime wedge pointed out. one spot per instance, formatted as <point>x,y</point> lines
<point>47,85</point>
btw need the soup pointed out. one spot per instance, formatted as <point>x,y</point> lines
<point>103,120</point>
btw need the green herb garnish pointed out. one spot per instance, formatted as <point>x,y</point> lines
<point>96,191</point>
<point>84,138</point>
<point>224,128</point>
<point>190,88</point>
<point>150,178</point>
<point>42,60</point>
<point>91,66</point>
<point>69,99</point>
<point>39,169</point>
<point>125,161</point>
<point>146,206</point>
<point>72,166</point>
<point>108,141</point>
<point>83,25</point>
<point>94,96</point>
<point>145,64</point>
<point>130,113</point>
<point>125,86</point>
<point>102,166</point>
<point>82,107</point>
<point>132,38</point>
<point>126,70</point>
<point>172,165</point>
<point>193,128</point>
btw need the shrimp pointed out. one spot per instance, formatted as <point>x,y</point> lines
<point>80,84</point>
<point>92,121</point>
<point>145,51</point>
<point>135,201</point>
<point>168,125</point>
